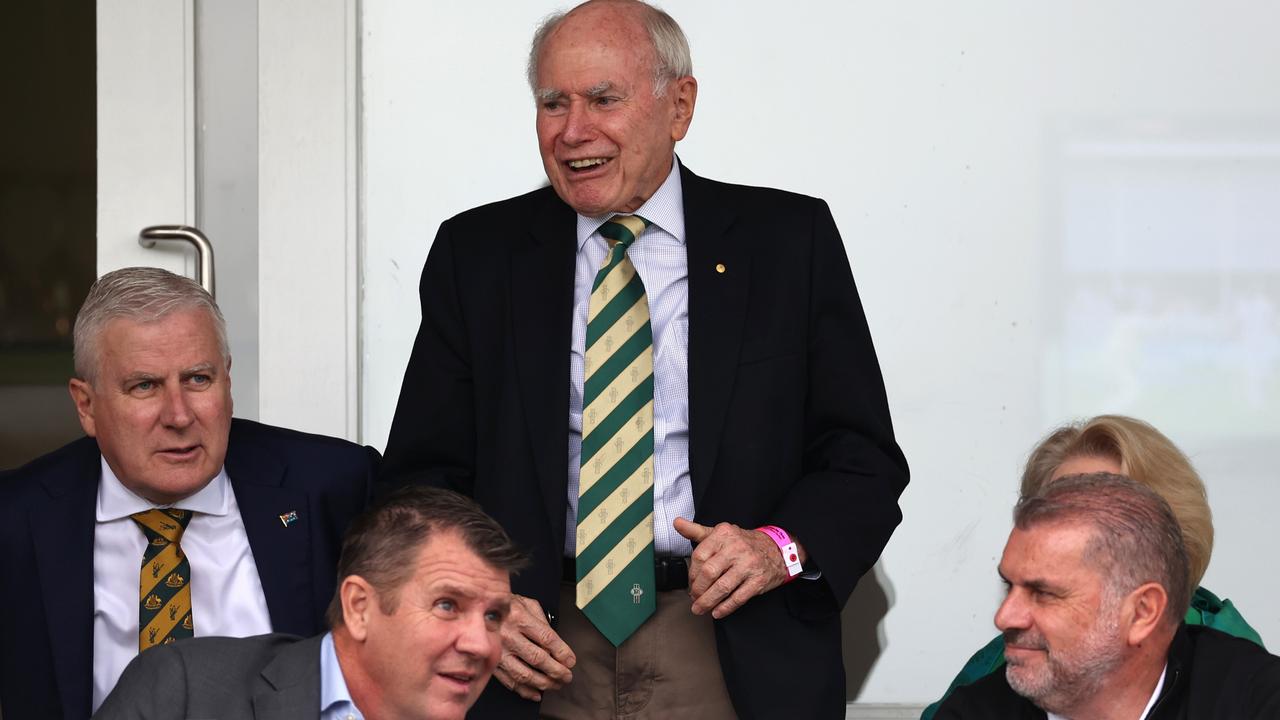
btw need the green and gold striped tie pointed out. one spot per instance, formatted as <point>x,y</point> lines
<point>164,614</point>
<point>615,490</point>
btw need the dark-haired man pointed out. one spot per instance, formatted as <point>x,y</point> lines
<point>1098,585</point>
<point>424,586</point>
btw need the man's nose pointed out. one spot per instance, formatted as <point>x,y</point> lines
<point>177,408</point>
<point>1012,613</point>
<point>475,637</point>
<point>578,127</point>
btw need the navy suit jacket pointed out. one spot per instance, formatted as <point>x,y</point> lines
<point>46,552</point>
<point>789,424</point>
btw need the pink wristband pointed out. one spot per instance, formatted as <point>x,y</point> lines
<point>790,553</point>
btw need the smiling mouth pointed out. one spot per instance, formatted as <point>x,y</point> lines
<point>586,164</point>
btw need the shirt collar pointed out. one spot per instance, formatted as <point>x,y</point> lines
<point>333,687</point>
<point>115,501</point>
<point>665,208</point>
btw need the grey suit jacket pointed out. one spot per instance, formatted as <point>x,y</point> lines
<point>265,677</point>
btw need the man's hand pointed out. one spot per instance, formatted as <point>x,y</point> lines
<point>534,658</point>
<point>730,566</point>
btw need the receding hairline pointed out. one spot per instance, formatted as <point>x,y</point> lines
<point>667,47</point>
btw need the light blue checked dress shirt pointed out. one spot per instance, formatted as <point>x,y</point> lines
<point>663,265</point>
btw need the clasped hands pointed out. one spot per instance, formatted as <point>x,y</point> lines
<point>729,566</point>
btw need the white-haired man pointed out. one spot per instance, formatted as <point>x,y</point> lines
<point>663,385</point>
<point>170,519</point>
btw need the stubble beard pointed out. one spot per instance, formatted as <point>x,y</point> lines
<point>1069,676</point>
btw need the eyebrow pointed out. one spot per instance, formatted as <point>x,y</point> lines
<point>601,88</point>
<point>1037,584</point>
<point>547,94</point>
<point>455,589</point>
<point>138,377</point>
<point>450,588</point>
<point>205,368</point>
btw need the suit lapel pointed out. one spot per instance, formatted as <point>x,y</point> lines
<point>542,315</point>
<point>62,530</point>
<point>717,310</point>
<point>281,552</point>
<point>294,681</point>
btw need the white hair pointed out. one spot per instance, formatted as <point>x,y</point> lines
<point>140,294</point>
<point>670,47</point>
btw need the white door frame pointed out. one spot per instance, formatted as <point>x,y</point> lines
<point>308,180</point>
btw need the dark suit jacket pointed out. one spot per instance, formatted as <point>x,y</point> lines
<point>1210,675</point>
<point>265,677</point>
<point>46,564</point>
<point>789,424</point>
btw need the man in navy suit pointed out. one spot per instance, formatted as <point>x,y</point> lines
<point>765,453</point>
<point>91,570</point>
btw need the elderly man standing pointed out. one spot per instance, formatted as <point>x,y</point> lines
<point>170,519</point>
<point>666,388</point>
<point>1098,585</point>
<point>424,586</point>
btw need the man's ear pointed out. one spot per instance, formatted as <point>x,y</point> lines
<point>1146,611</point>
<point>683,94</point>
<point>82,395</point>
<point>359,599</point>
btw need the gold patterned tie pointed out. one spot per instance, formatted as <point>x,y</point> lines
<point>615,587</point>
<point>164,614</point>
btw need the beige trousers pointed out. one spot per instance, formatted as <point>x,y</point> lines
<point>667,669</point>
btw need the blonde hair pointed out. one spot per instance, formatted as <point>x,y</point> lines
<point>1146,456</point>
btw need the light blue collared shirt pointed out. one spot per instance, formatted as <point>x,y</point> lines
<point>335,699</point>
<point>663,265</point>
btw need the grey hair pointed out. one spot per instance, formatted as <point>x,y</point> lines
<point>670,47</point>
<point>139,294</point>
<point>1136,538</point>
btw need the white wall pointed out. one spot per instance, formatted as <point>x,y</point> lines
<point>1052,210</point>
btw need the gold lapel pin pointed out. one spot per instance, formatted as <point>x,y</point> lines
<point>720,267</point>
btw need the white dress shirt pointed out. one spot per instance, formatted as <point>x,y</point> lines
<point>226,594</point>
<point>663,265</point>
<point>335,698</point>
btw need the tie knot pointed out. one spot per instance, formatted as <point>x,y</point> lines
<point>167,524</point>
<point>623,229</point>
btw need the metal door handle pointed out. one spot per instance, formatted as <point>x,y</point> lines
<point>184,234</point>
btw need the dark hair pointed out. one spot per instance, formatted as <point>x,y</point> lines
<point>1136,538</point>
<point>381,544</point>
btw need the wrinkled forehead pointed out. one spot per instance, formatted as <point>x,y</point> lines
<point>182,336</point>
<point>583,45</point>
<point>1048,547</point>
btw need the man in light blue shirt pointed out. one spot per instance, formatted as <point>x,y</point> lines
<point>424,588</point>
